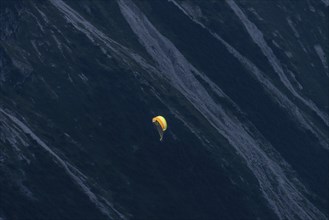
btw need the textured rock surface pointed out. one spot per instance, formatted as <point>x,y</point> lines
<point>243,85</point>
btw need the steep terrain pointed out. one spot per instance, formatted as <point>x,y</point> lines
<point>243,85</point>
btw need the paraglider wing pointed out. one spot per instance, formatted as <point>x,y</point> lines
<point>161,125</point>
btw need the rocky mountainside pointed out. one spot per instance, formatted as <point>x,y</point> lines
<point>242,84</point>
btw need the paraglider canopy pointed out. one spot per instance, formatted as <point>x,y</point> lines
<point>161,125</point>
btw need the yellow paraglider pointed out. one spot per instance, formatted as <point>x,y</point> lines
<point>161,125</point>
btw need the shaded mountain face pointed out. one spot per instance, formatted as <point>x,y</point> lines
<point>243,86</point>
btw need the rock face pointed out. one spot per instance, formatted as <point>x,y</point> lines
<point>242,84</point>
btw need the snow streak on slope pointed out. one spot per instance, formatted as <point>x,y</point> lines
<point>293,28</point>
<point>80,23</point>
<point>282,194</point>
<point>94,34</point>
<point>325,2</point>
<point>278,96</point>
<point>101,203</point>
<point>258,38</point>
<point>300,117</point>
<point>319,51</point>
<point>13,136</point>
